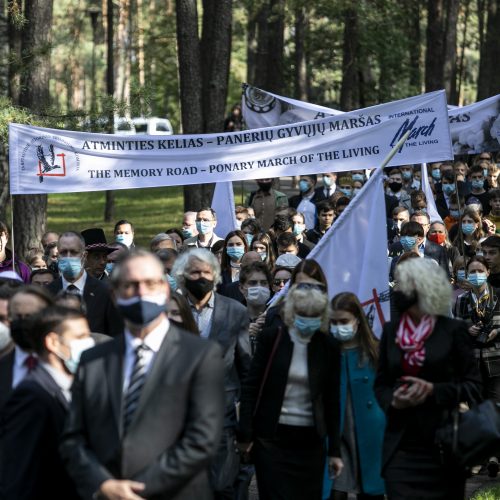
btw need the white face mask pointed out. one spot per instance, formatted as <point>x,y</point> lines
<point>126,239</point>
<point>76,347</point>
<point>343,333</point>
<point>258,295</point>
<point>4,336</point>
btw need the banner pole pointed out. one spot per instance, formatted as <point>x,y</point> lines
<point>12,233</point>
<point>460,233</point>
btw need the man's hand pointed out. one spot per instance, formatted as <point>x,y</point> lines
<point>335,467</point>
<point>474,330</point>
<point>493,334</point>
<point>114,489</point>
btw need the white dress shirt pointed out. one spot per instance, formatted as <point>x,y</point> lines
<point>79,283</point>
<point>63,380</point>
<point>153,340</point>
<point>20,369</point>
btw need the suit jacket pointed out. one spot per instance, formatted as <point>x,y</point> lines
<point>294,201</point>
<point>230,330</point>
<point>449,364</point>
<point>431,251</point>
<point>323,359</point>
<point>102,314</point>
<point>6,375</point>
<point>32,424</point>
<point>319,195</point>
<point>175,429</point>
<point>232,291</point>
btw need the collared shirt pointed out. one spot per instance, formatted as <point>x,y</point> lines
<point>79,283</point>
<point>308,209</point>
<point>203,316</point>
<point>20,369</point>
<point>152,340</point>
<point>63,380</point>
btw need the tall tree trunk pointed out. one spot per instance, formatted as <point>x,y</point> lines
<point>414,34</point>
<point>301,27</point>
<point>461,66</point>
<point>4,92</point>
<point>434,71</point>
<point>15,9</point>
<point>252,44</point>
<point>276,47</point>
<point>261,67</point>
<point>30,211</point>
<point>450,51</point>
<point>489,73</point>
<point>349,93</point>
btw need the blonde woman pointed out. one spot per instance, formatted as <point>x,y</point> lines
<point>290,401</point>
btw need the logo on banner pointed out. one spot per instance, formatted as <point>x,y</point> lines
<point>46,158</point>
<point>259,101</point>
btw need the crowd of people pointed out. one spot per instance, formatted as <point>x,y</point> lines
<point>185,370</point>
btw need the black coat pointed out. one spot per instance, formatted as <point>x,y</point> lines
<point>324,380</point>
<point>6,376</point>
<point>32,424</point>
<point>449,363</point>
<point>431,251</point>
<point>102,314</point>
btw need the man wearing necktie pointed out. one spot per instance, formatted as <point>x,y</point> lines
<point>147,407</point>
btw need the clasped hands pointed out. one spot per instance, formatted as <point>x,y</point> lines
<point>412,392</point>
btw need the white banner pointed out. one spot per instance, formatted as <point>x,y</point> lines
<point>474,128</point>
<point>58,161</point>
<point>353,252</point>
<point>431,203</point>
<point>223,204</point>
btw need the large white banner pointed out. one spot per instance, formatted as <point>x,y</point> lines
<point>55,161</point>
<point>474,128</point>
<point>223,204</point>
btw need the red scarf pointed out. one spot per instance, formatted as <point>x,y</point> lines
<point>411,338</point>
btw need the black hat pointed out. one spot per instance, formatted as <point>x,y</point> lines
<point>95,240</point>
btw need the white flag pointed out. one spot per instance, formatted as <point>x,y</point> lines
<point>353,252</point>
<point>223,204</point>
<point>431,204</point>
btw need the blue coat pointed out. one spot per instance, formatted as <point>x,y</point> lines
<point>369,420</point>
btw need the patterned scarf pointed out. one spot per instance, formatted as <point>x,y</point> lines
<point>411,338</point>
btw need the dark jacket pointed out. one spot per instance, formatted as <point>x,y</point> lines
<point>294,201</point>
<point>174,432</point>
<point>324,380</point>
<point>449,364</point>
<point>32,424</point>
<point>6,376</point>
<point>102,314</point>
<point>431,251</point>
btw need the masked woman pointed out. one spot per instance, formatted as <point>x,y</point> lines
<point>426,366</point>
<point>290,401</point>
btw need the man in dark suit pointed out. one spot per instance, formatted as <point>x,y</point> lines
<point>102,315</point>
<point>327,189</point>
<point>33,417</point>
<point>19,361</point>
<point>226,321</point>
<point>147,407</point>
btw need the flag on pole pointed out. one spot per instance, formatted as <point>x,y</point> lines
<point>353,252</point>
<point>223,204</point>
<point>431,204</point>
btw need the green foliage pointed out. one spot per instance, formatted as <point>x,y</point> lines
<point>488,494</point>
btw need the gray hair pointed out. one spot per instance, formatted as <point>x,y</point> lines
<point>117,273</point>
<point>72,234</point>
<point>310,302</point>
<point>429,281</point>
<point>183,264</point>
<point>162,237</point>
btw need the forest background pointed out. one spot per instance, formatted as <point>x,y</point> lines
<point>77,64</point>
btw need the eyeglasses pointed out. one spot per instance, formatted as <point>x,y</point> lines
<point>278,282</point>
<point>149,285</point>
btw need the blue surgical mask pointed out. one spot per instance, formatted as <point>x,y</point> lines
<point>235,253</point>
<point>304,186</point>
<point>249,238</point>
<point>468,228</point>
<point>406,175</point>
<point>448,188</point>
<point>477,184</point>
<point>358,177</point>
<point>436,174</point>
<point>298,229</point>
<point>327,181</point>
<point>477,279</point>
<point>204,227</point>
<point>455,213</point>
<point>109,267</point>
<point>461,275</point>
<point>307,326</point>
<point>124,239</point>
<point>76,347</point>
<point>343,332</point>
<point>172,282</point>
<point>187,232</point>
<point>346,192</point>
<point>70,267</point>
<point>408,242</point>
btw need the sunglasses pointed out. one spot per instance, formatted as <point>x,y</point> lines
<point>278,282</point>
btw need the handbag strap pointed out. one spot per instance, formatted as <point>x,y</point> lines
<point>266,371</point>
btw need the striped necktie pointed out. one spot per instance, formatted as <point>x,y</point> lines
<point>137,379</point>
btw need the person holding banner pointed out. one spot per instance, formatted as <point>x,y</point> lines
<point>426,366</point>
<point>362,421</point>
<point>290,401</point>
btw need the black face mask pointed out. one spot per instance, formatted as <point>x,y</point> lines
<point>395,187</point>
<point>264,186</point>
<point>20,329</point>
<point>403,302</point>
<point>198,288</point>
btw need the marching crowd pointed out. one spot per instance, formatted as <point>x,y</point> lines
<point>169,373</point>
